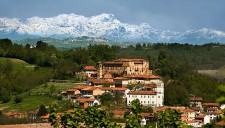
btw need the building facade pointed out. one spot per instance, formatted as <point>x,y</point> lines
<point>153,97</point>
<point>125,67</point>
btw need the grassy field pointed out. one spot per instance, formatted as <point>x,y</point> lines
<point>29,103</point>
<point>38,96</point>
<point>17,63</point>
<point>51,87</point>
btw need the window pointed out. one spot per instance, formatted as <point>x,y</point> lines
<point>144,101</point>
<point>141,101</point>
<point>158,96</point>
<point>148,96</point>
<point>152,102</point>
<point>152,96</point>
<point>144,96</point>
<point>141,96</point>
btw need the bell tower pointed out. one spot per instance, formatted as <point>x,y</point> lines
<point>99,70</point>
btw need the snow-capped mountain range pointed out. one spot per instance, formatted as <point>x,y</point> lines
<point>103,25</point>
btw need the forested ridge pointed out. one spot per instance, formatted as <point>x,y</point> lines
<point>175,63</point>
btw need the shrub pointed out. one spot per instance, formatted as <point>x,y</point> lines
<point>18,99</point>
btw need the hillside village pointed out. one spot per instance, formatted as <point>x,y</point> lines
<point>115,77</point>
<point>131,79</point>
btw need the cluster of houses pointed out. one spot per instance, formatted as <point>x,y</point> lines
<point>114,77</point>
<point>198,113</point>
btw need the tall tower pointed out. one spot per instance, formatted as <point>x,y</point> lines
<point>99,70</point>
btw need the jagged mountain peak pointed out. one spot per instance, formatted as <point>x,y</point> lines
<point>104,25</point>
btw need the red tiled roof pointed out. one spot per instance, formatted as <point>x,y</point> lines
<point>218,112</point>
<point>120,78</point>
<point>80,86</point>
<point>90,68</point>
<point>120,61</point>
<point>188,110</point>
<point>196,108</point>
<point>150,86</point>
<point>189,121</point>
<point>147,114</point>
<point>196,98</point>
<point>100,81</point>
<point>119,112</point>
<point>211,104</point>
<point>212,109</point>
<point>129,60</point>
<point>142,93</point>
<point>71,90</point>
<point>201,116</point>
<point>90,88</point>
<point>113,62</point>
<point>71,111</point>
<point>221,123</point>
<point>144,76</point>
<point>45,116</point>
<point>83,100</point>
<point>115,89</point>
<point>179,108</point>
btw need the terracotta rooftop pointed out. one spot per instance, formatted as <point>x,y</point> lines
<point>190,121</point>
<point>83,100</point>
<point>100,81</point>
<point>147,115</point>
<point>179,108</point>
<point>71,90</point>
<point>211,109</point>
<point>201,116</point>
<point>150,86</point>
<point>119,112</point>
<point>211,104</point>
<point>188,110</point>
<point>196,108</point>
<point>142,93</point>
<point>130,60</point>
<point>221,123</point>
<point>144,76</point>
<point>122,60</point>
<point>113,62</point>
<point>115,89</point>
<point>218,112</point>
<point>120,78</point>
<point>89,88</point>
<point>79,87</point>
<point>196,98</point>
<point>90,68</point>
<point>45,116</point>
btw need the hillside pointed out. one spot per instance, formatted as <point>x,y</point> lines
<point>18,76</point>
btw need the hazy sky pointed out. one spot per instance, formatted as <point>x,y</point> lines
<point>175,15</point>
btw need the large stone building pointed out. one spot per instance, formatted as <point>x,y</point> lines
<point>152,95</point>
<point>125,67</point>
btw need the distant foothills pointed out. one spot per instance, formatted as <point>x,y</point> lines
<point>100,28</point>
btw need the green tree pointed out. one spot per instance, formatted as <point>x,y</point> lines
<point>18,99</point>
<point>91,117</point>
<point>133,120</point>
<point>106,99</point>
<point>170,119</point>
<point>52,89</point>
<point>221,99</point>
<point>42,111</point>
